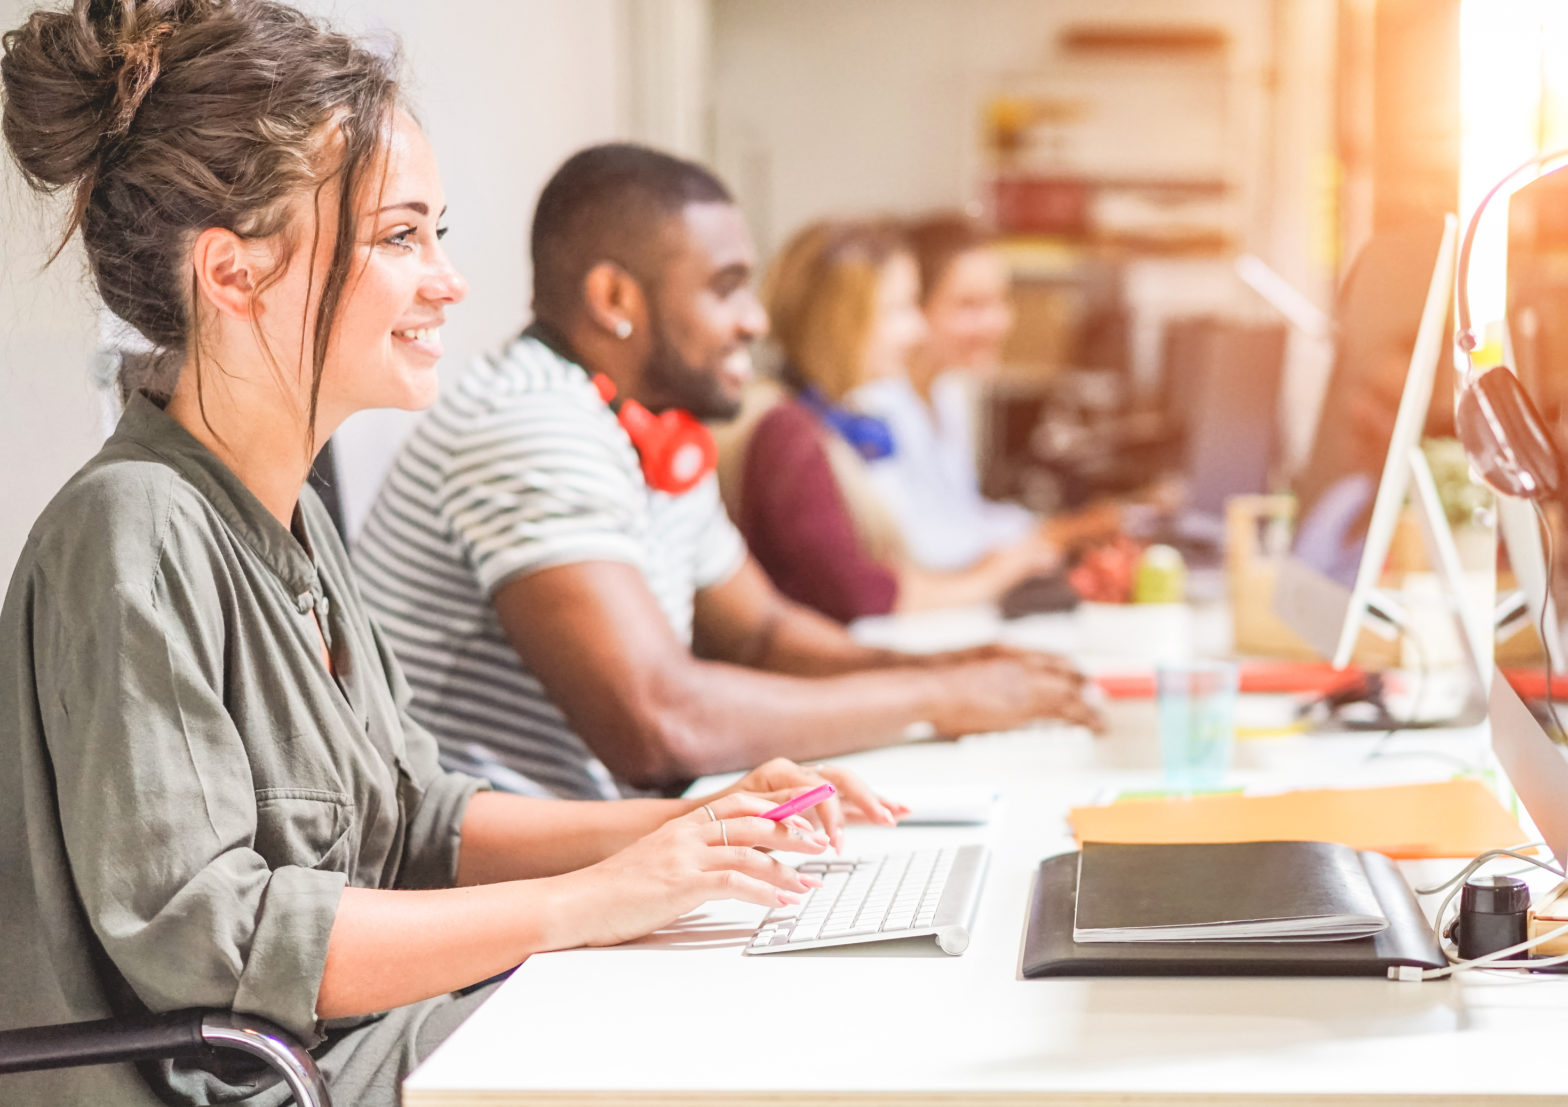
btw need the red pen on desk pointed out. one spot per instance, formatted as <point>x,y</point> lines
<point>799,803</point>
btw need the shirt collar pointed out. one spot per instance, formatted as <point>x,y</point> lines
<point>553,340</point>
<point>289,558</point>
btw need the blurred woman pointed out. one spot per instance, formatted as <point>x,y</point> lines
<point>932,481</point>
<point>843,297</point>
<point>966,302</point>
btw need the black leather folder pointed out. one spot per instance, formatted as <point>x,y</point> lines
<point>1049,949</point>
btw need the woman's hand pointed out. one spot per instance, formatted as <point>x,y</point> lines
<point>854,798</point>
<point>684,864</point>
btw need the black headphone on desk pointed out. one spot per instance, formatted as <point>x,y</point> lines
<point>1508,443</point>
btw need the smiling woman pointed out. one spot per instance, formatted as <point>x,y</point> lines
<point>208,753</point>
<point>335,335</point>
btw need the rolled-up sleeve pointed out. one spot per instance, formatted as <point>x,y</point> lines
<point>159,813</point>
<point>435,825</point>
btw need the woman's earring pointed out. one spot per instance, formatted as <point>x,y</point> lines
<point>623,329</point>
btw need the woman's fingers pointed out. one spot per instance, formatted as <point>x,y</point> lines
<point>855,793</point>
<point>736,863</point>
<point>755,833</point>
<point>761,866</point>
<point>735,805</point>
<point>734,884</point>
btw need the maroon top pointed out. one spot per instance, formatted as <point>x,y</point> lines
<point>797,525</point>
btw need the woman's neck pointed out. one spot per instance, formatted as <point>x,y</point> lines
<point>253,428</point>
<point>922,372</point>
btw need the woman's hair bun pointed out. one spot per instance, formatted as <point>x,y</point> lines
<point>73,80</point>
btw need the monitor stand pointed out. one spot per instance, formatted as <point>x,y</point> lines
<point>1387,613</point>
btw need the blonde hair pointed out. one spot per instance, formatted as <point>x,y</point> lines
<point>821,294</point>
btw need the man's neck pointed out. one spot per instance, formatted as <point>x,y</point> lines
<point>589,347</point>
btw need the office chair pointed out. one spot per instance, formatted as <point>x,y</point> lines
<point>188,1033</point>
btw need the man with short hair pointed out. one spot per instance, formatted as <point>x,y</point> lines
<point>566,628</point>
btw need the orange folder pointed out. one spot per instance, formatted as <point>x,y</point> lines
<point>1452,818</point>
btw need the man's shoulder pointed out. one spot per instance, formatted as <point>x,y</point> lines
<point>527,367</point>
<point>527,388</point>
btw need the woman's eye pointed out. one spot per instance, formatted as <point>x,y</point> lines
<point>401,238</point>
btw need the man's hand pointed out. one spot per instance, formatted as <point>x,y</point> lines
<point>1007,691</point>
<point>997,651</point>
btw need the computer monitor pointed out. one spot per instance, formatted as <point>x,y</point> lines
<point>1535,337</point>
<point>1365,462</point>
<point>1528,694</point>
<point>1521,711</point>
<point>1536,766</point>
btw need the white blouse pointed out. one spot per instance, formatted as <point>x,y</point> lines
<point>930,483</point>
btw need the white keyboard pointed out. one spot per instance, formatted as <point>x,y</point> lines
<point>872,899</point>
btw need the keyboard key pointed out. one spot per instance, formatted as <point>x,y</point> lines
<point>872,898</point>
<point>848,931</point>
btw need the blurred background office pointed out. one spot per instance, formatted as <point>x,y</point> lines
<point>1130,153</point>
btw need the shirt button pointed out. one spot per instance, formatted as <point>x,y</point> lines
<point>323,605</point>
<point>305,602</point>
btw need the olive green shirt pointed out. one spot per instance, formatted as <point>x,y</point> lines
<point>185,790</point>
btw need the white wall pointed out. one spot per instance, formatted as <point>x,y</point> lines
<point>49,418</point>
<point>876,104</point>
<point>505,88</point>
<point>825,107</point>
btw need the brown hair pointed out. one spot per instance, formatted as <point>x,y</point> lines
<point>167,117</point>
<point>821,294</point>
<point>937,239</point>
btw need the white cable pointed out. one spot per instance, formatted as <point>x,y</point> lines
<point>1497,959</point>
<point>1491,855</point>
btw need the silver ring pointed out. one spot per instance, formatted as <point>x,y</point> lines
<point>724,833</point>
<point>712,818</point>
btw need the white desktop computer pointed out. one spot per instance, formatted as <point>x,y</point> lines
<point>1328,589</point>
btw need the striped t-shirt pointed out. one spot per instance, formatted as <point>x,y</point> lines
<point>520,467</point>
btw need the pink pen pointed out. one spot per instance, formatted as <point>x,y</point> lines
<point>799,803</point>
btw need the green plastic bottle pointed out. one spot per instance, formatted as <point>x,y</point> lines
<point>1161,576</point>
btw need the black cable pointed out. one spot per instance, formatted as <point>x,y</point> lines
<point>1546,603</point>
<point>1413,717</point>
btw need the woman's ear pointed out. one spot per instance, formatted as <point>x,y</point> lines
<point>614,300</point>
<point>229,271</point>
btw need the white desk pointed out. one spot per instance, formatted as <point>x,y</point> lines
<point>683,1017</point>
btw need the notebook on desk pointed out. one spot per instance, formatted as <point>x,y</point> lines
<point>1237,891</point>
<point>1049,948</point>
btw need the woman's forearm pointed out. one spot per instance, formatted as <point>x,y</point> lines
<point>393,947</point>
<point>506,837</point>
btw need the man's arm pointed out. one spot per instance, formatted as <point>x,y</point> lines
<point>746,621</point>
<point>655,713</point>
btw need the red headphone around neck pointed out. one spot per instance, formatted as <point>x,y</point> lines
<point>676,450</point>
<point>1509,445</point>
